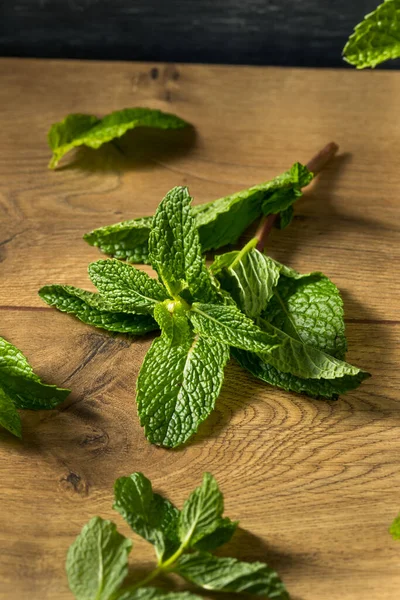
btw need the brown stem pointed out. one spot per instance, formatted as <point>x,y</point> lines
<point>315,165</point>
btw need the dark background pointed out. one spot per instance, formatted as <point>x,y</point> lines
<point>263,32</point>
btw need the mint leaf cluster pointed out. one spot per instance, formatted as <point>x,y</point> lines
<point>21,388</point>
<point>219,222</point>
<point>377,38</point>
<point>183,541</point>
<point>87,130</point>
<point>285,328</point>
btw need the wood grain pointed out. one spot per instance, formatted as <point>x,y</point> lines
<point>314,484</point>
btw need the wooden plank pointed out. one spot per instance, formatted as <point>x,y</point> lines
<point>314,484</point>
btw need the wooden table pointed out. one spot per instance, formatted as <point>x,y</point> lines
<point>314,484</point>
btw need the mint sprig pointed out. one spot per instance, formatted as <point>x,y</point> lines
<point>97,561</point>
<point>21,388</point>
<point>219,222</point>
<point>377,38</point>
<point>87,130</point>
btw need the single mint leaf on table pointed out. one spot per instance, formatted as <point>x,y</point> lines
<point>150,515</point>
<point>87,130</point>
<point>377,38</point>
<point>97,561</point>
<point>179,381</point>
<point>231,575</point>
<point>395,528</point>
<point>21,388</point>
<point>219,222</point>
<point>92,309</point>
<point>125,288</point>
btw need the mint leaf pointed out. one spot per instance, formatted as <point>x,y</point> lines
<point>19,382</point>
<point>86,130</point>
<point>220,536</point>
<point>219,222</point>
<point>376,38</point>
<point>228,325</point>
<point>250,277</point>
<point>179,381</point>
<point>94,310</point>
<point>127,240</point>
<point>395,528</point>
<point>174,247</point>
<point>231,575</point>
<point>97,561</point>
<point>202,512</point>
<point>125,288</point>
<point>286,217</point>
<point>9,417</point>
<point>150,515</point>
<point>155,594</point>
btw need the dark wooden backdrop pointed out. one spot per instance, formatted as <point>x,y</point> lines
<point>276,32</point>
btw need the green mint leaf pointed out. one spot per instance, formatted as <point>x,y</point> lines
<point>174,247</point>
<point>150,515</point>
<point>376,38</point>
<point>219,222</point>
<point>125,288</point>
<point>9,417</point>
<point>97,561</point>
<point>127,240</point>
<point>250,277</point>
<point>286,217</point>
<point>395,528</point>
<point>220,536</point>
<point>228,325</point>
<point>155,594</point>
<point>202,512</point>
<point>93,309</point>
<point>18,380</point>
<point>231,575</point>
<point>86,130</point>
<point>179,381</point>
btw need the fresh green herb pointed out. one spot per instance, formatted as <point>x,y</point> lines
<point>97,561</point>
<point>87,130</point>
<point>285,328</point>
<point>395,528</point>
<point>21,388</point>
<point>219,222</point>
<point>376,38</point>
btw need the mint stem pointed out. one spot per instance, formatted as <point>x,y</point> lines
<point>315,165</point>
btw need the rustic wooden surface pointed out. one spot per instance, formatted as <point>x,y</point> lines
<point>314,484</point>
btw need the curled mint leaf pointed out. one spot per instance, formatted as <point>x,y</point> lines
<point>87,130</point>
<point>94,310</point>
<point>97,562</point>
<point>231,575</point>
<point>377,38</point>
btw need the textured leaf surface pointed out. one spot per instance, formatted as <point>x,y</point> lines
<point>178,383</point>
<point>376,38</point>
<point>228,325</point>
<point>97,561</point>
<point>150,515</point>
<point>87,130</point>
<point>25,387</point>
<point>9,417</point>
<point>219,222</point>
<point>231,575</point>
<point>156,594</point>
<point>220,536</point>
<point>395,528</point>
<point>250,279</point>
<point>174,247</point>
<point>91,309</point>
<point>125,288</point>
<point>202,512</point>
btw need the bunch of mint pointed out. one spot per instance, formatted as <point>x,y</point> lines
<point>97,562</point>
<point>285,328</point>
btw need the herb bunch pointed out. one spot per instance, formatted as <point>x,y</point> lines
<point>285,328</point>
<point>97,561</point>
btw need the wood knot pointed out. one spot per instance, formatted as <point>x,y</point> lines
<point>75,483</point>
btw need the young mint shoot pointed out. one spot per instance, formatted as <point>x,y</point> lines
<point>183,541</point>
